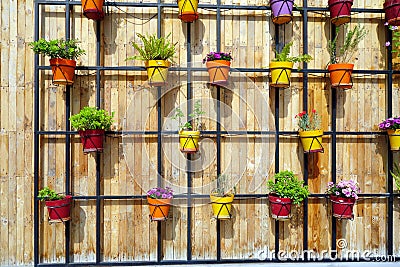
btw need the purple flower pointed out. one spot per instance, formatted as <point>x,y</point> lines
<point>387,43</point>
<point>159,192</point>
<point>386,23</point>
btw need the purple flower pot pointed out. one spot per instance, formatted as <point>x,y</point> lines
<point>281,11</point>
<point>340,11</point>
<point>392,12</point>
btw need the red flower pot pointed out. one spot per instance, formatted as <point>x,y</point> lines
<point>392,12</point>
<point>59,210</point>
<point>280,207</point>
<point>92,140</point>
<point>342,207</point>
<point>340,11</point>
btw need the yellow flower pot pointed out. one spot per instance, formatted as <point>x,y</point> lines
<point>189,141</point>
<point>280,73</point>
<point>394,139</point>
<point>311,141</point>
<point>222,206</point>
<point>188,10</point>
<point>157,71</point>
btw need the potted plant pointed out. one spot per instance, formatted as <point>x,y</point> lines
<point>343,195</point>
<point>222,197</point>
<point>392,12</point>
<point>285,190</point>
<point>91,124</point>
<point>396,175</point>
<point>310,131</point>
<point>189,132</point>
<point>158,54</point>
<point>281,66</point>
<point>340,11</point>
<point>218,67</point>
<point>93,9</point>
<point>62,57</point>
<point>339,69</point>
<point>281,11</point>
<point>392,125</point>
<point>58,205</point>
<point>159,200</point>
<point>188,10</point>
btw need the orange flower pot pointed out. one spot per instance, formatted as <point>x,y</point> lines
<point>159,208</point>
<point>93,9</point>
<point>63,70</point>
<point>218,71</point>
<point>340,75</point>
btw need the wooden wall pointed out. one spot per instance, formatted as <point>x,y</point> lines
<point>128,164</point>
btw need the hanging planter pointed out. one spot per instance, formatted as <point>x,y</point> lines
<point>62,54</point>
<point>340,11</point>
<point>218,67</point>
<point>159,200</point>
<point>157,54</point>
<point>222,197</point>
<point>394,139</point>
<point>311,141</point>
<point>93,9</point>
<point>281,66</point>
<point>189,141</point>
<point>392,126</point>
<point>392,12</point>
<point>58,205</point>
<point>343,196</point>
<point>91,124</point>
<point>157,72</point>
<point>340,75</point>
<point>188,10</point>
<point>281,11</point>
<point>285,190</point>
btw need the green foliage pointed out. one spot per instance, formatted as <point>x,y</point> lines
<point>224,187</point>
<point>343,53</point>
<point>49,194</point>
<point>154,48</point>
<point>287,185</point>
<point>57,48</point>
<point>91,118</point>
<point>195,117</point>
<point>284,55</point>
<point>396,175</point>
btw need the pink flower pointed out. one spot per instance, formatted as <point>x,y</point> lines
<point>387,43</point>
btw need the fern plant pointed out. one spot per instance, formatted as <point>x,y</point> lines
<point>343,53</point>
<point>284,55</point>
<point>154,48</point>
<point>286,185</point>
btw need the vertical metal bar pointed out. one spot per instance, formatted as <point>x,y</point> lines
<point>98,157</point>
<point>67,137</point>
<point>277,131</point>
<point>36,147</point>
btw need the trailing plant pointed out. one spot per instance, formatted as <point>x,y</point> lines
<point>284,55</point>
<point>396,175</point>
<point>308,122</point>
<point>223,188</point>
<point>57,48</point>
<point>160,193</point>
<point>286,185</point>
<point>92,118</point>
<point>47,194</point>
<point>217,56</point>
<point>390,124</point>
<point>344,52</point>
<point>195,123</point>
<point>345,188</point>
<point>154,48</point>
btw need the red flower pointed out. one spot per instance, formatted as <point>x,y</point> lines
<point>313,111</point>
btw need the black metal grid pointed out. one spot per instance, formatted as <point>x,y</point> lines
<point>217,134</point>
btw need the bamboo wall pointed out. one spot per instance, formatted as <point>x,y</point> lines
<point>128,164</point>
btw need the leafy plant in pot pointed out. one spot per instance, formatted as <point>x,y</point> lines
<point>218,67</point>
<point>91,124</point>
<point>58,205</point>
<point>285,190</point>
<point>339,69</point>
<point>392,126</point>
<point>222,197</point>
<point>343,195</point>
<point>62,57</point>
<point>189,132</point>
<point>281,67</point>
<point>310,131</point>
<point>158,55</point>
<point>159,200</point>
